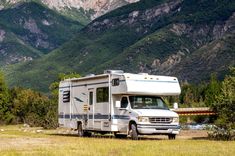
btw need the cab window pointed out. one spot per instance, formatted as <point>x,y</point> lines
<point>124,102</point>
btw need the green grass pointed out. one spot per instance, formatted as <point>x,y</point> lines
<point>15,141</point>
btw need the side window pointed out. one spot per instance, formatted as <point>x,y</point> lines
<point>102,94</point>
<point>90,98</point>
<point>66,96</point>
<point>124,102</point>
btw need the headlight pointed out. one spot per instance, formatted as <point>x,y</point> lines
<point>176,119</point>
<point>143,119</point>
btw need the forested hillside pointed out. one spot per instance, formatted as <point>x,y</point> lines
<point>187,39</point>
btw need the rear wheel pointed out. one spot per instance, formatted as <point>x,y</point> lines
<point>120,135</point>
<point>171,136</point>
<point>80,130</point>
<point>133,132</point>
<point>87,134</point>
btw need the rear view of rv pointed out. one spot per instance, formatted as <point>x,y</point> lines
<point>124,104</point>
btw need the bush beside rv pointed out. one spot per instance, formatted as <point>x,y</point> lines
<point>121,103</point>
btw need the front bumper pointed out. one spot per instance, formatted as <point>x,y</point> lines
<point>158,129</point>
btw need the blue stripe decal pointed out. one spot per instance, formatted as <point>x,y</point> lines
<point>96,116</point>
<point>124,117</point>
<point>79,100</point>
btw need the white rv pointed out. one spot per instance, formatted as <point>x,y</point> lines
<point>121,103</point>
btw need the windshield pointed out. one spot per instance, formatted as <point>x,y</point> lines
<point>147,102</point>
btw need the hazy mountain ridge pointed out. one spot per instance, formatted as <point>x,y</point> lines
<point>10,45</point>
<point>187,39</point>
<point>29,30</point>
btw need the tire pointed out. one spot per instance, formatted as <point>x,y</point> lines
<point>133,132</point>
<point>171,136</point>
<point>86,134</point>
<point>120,135</point>
<point>80,130</point>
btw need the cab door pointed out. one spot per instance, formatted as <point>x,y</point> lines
<point>124,114</point>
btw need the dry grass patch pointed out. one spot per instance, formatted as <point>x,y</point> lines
<point>52,143</point>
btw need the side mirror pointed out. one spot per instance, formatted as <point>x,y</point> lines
<point>118,104</point>
<point>175,105</point>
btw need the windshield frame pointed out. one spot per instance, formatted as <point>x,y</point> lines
<point>145,105</point>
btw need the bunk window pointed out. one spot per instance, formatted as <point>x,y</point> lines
<point>115,82</point>
<point>66,96</point>
<point>102,94</point>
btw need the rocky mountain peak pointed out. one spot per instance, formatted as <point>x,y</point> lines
<point>99,7</point>
<point>95,7</point>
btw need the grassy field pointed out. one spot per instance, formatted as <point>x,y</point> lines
<point>16,140</point>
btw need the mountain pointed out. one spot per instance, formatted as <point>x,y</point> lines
<point>92,8</point>
<point>14,50</point>
<point>186,38</point>
<point>29,30</point>
<point>81,10</point>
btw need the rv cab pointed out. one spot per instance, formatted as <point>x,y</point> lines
<point>150,115</point>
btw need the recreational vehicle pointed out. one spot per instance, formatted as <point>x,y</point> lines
<point>119,103</point>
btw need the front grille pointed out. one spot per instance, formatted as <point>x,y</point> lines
<point>160,120</point>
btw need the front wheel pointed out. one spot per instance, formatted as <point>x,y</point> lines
<point>133,132</point>
<point>171,136</point>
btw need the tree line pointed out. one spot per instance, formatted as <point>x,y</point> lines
<point>220,97</point>
<point>20,105</point>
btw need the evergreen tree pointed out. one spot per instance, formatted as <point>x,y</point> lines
<point>224,105</point>
<point>213,89</point>
<point>6,116</point>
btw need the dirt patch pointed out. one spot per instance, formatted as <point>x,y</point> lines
<point>22,143</point>
<point>193,134</point>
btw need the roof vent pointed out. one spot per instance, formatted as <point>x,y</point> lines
<point>143,73</point>
<point>113,72</point>
<point>90,75</point>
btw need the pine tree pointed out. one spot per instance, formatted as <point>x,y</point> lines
<point>213,89</point>
<point>6,116</point>
<point>224,105</point>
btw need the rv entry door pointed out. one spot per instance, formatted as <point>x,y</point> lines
<point>90,114</point>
